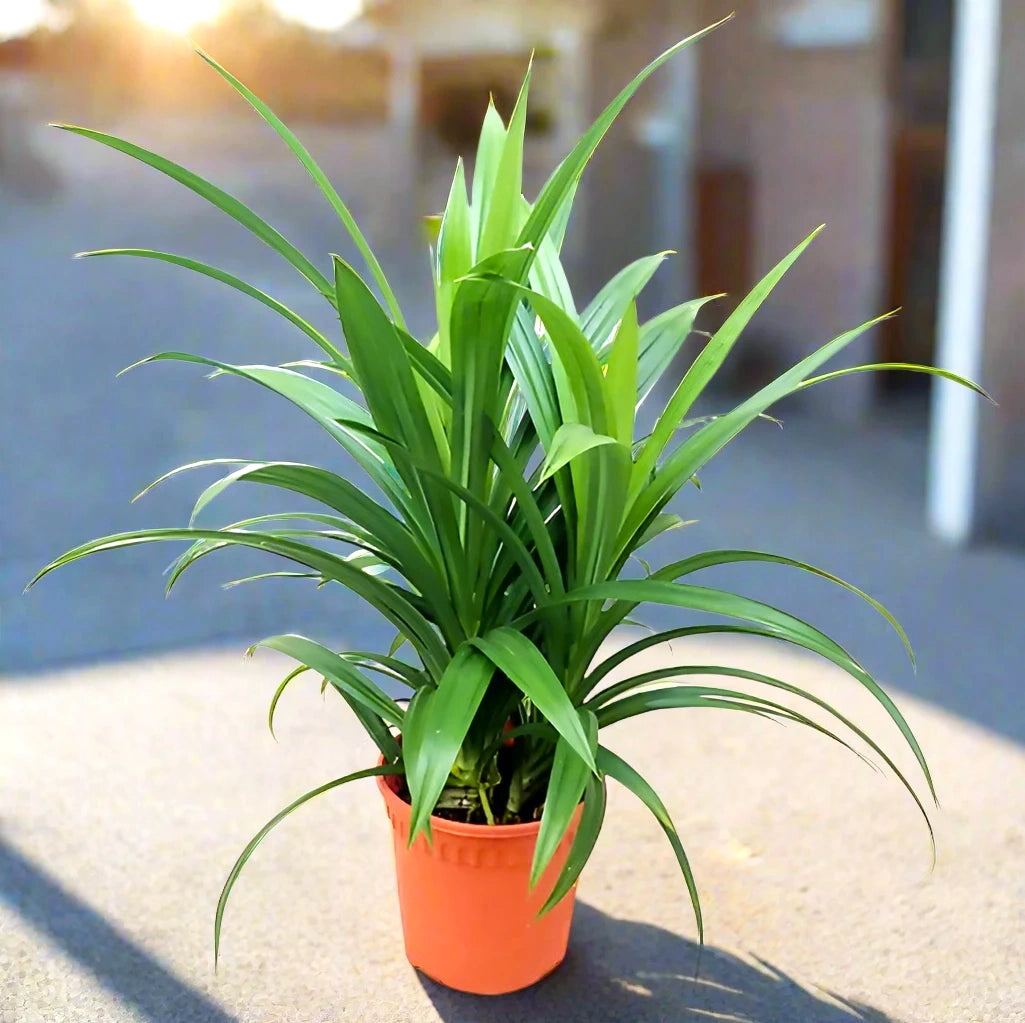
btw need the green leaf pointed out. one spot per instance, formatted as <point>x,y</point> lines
<point>591,819</point>
<point>388,666</point>
<point>339,672</point>
<point>482,313</point>
<point>438,724</point>
<point>661,338</point>
<point>662,524</point>
<point>557,232</point>
<point>550,204</point>
<point>338,360</point>
<point>547,275</point>
<point>609,306</point>
<point>579,381</point>
<point>326,406</point>
<point>730,605</point>
<point>377,529</point>
<point>666,636</point>
<point>218,197</point>
<point>609,712</point>
<point>709,559</point>
<point>503,201</point>
<point>455,246</point>
<point>325,186</point>
<point>373,724</point>
<point>399,410</point>
<point>532,371</point>
<point>570,440</point>
<point>707,363</point>
<point>290,677</point>
<point>382,365</point>
<point>521,661</point>
<point>222,902</point>
<point>392,602</point>
<point>904,367</point>
<point>707,697</point>
<point>514,547</point>
<point>621,377</point>
<point>728,699</point>
<point>530,511</point>
<point>232,583</point>
<point>699,448</point>
<point>485,171</point>
<point>454,258</point>
<point>616,767</point>
<point>566,786</point>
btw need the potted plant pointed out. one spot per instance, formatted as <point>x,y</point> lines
<point>504,497</point>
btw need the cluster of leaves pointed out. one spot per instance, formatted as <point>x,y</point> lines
<point>504,492</point>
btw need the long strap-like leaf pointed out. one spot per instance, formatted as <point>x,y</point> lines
<point>338,360</point>
<point>323,183</point>
<point>616,767</point>
<point>550,203</point>
<point>222,902</point>
<point>235,208</point>
<point>391,602</point>
<point>698,449</point>
<point>732,605</point>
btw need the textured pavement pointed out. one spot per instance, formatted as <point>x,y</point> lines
<point>130,789</point>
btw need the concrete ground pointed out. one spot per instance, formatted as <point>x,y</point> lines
<point>130,789</point>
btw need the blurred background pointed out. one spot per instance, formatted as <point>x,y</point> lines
<point>889,120</point>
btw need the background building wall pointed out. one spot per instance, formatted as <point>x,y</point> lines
<point>812,130</point>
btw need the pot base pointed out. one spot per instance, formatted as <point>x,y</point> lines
<point>469,918</point>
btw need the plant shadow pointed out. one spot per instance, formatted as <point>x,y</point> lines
<point>617,970</point>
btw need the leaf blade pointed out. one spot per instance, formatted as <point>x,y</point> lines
<point>225,202</point>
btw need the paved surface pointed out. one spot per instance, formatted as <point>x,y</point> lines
<point>130,789</point>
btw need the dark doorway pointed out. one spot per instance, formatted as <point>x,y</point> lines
<point>921,85</point>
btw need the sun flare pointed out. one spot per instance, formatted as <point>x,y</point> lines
<point>176,15</point>
<point>182,15</point>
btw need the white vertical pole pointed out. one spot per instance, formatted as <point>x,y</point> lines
<point>953,451</point>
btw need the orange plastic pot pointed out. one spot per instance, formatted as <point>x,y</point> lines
<point>469,918</point>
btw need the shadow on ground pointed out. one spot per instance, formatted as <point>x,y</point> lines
<point>137,978</point>
<point>617,970</point>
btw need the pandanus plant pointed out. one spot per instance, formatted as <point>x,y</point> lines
<point>503,495</point>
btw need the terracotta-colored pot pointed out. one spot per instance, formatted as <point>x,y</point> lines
<point>468,916</point>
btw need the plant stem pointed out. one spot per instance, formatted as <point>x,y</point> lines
<point>485,805</point>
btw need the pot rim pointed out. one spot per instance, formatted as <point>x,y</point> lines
<point>385,783</point>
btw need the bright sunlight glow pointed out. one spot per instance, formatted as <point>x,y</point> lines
<point>176,15</point>
<point>23,16</point>
<point>324,15</point>
<point>181,15</point>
